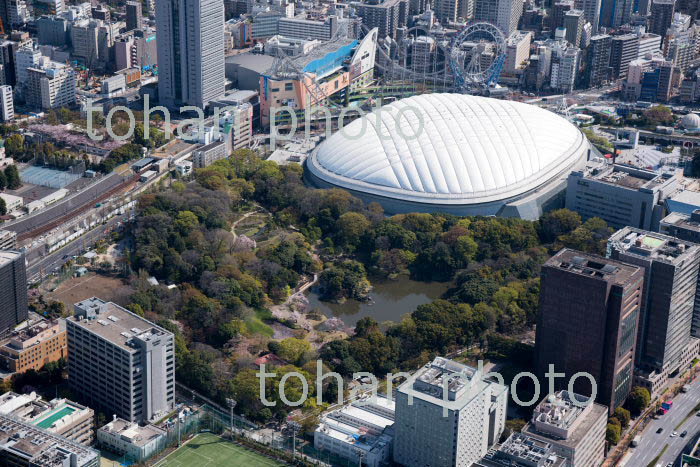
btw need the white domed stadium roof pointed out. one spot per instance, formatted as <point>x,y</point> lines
<point>471,150</point>
<point>691,122</point>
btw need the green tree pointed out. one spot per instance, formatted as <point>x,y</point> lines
<point>638,400</point>
<point>3,207</point>
<point>558,222</point>
<point>3,180</point>
<point>14,145</point>
<point>293,349</point>
<point>658,115</point>
<point>12,176</point>
<point>623,415</point>
<point>612,433</point>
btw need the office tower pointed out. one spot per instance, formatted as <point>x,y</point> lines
<point>134,15</point>
<point>615,13</point>
<point>50,85</point>
<point>25,444</point>
<point>503,13</point>
<point>621,195</point>
<point>190,51</point>
<point>661,16</point>
<point>573,432</point>
<point>599,70</point>
<point>7,104</point>
<point>8,49</point>
<point>589,310</point>
<point>53,30</point>
<point>121,362</point>
<point>573,22</point>
<point>386,16</point>
<point>13,290</point>
<point>591,10</point>
<point>475,407</point>
<point>664,343</point>
<point>624,50</point>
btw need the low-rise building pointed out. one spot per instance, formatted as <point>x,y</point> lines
<point>33,345</point>
<point>8,240</point>
<point>619,194</point>
<point>59,416</point>
<point>25,445</point>
<point>521,450</point>
<point>12,202</point>
<point>572,425</point>
<point>207,155</point>
<point>136,442</point>
<point>361,430</point>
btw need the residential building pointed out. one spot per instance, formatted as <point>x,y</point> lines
<point>591,10</point>
<point>503,13</point>
<point>573,427</point>
<point>134,15</point>
<point>589,310</point>
<point>207,155</point>
<point>624,49</point>
<point>661,16</point>
<point>26,57</point>
<point>559,9</point>
<point>386,16</point>
<point>59,416</point>
<point>619,194</point>
<point>517,51</point>
<point>33,345</point>
<point>573,22</point>
<point>13,290</point>
<point>48,7</point>
<point>121,362</point>
<point>648,44</point>
<point>475,410</point>
<point>50,85</point>
<point>599,70</point>
<point>23,444</point>
<point>448,11</point>
<point>360,431</point>
<point>7,104</point>
<point>565,68</point>
<point>190,66</point>
<point>131,440</point>
<point>8,240</point>
<point>85,41</point>
<point>53,30</point>
<point>664,343</point>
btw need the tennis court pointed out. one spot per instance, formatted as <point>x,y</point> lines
<point>210,450</point>
<point>48,177</point>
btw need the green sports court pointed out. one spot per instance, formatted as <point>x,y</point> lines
<point>210,450</point>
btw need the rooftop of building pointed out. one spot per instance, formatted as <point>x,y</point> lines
<point>174,148</point>
<point>32,333</point>
<point>652,245</point>
<point>590,265</point>
<point>7,256</point>
<point>52,415</point>
<point>136,434</point>
<point>520,449</point>
<point>114,323</point>
<point>255,62</point>
<point>362,424</point>
<point>41,447</point>
<point>625,176</point>
<point>558,419</point>
<point>682,220</point>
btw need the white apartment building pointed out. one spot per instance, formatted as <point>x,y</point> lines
<point>503,13</point>
<point>7,104</point>
<point>121,362</point>
<point>25,57</point>
<point>517,51</point>
<point>51,85</point>
<point>447,414</point>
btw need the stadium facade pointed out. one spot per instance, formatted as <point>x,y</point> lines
<point>454,153</point>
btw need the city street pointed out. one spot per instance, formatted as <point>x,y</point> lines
<point>652,443</point>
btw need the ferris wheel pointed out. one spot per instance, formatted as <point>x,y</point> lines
<point>477,55</point>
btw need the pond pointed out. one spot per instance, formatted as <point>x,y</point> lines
<point>391,300</point>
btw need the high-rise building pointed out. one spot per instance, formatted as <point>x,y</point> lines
<point>50,85</point>
<point>573,22</point>
<point>664,343</point>
<point>190,51</point>
<point>517,51</point>
<point>591,9</point>
<point>13,290</point>
<point>447,11</point>
<point>565,68</point>
<point>475,411</point>
<point>121,362</point>
<point>661,16</point>
<point>386,16</point>
<point>503,13</point>
<point>26,57</point>
<point>7,105</point>
<point>134,15</point>
<point>589,309</point>
<point>624,49</point>
<point>53,30</point>
<point>615,13</point>
<point>7,62</point>
<point>573,431</point>
<point>559,9</point>
<point>599,71</point>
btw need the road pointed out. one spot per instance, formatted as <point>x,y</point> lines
<point>652,443</point>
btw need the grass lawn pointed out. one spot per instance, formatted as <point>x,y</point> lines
<point>209,450</point>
